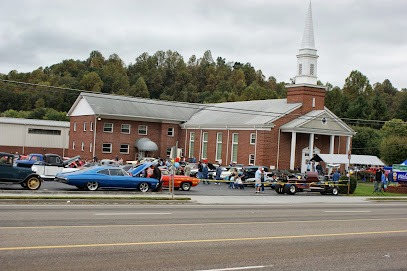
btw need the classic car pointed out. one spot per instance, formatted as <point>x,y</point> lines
<point>30,160</point>
<point>96,177</point>
<point>180,181</point>
<point>14,174</point>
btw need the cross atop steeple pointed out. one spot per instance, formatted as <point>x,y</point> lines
<point>308,37</point>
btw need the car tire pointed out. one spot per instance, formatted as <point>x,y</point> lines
<point>335,191</point>
<point>291,189</point>
<point>33,183</point>
<point>279,189</point>
<point>186,186</point>
<point>144,187</point>
<point>92,186</point>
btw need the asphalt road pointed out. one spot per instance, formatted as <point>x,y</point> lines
<point>199,190</point>
<point>368,236</point>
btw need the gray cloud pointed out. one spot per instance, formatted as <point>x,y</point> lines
<point>364,35</point>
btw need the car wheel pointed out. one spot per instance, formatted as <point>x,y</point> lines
<point>185,186</point>
<point>144,187</point>
<point>291,189</point>
<point>33,183</point>
<point>279,189</point>
<point>196,175</point>
<point>335,191</point>
<point>92,186</point>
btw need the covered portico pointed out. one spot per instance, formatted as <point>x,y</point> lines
<point>311,126</point>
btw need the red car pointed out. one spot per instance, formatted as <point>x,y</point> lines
<point>180,181</point>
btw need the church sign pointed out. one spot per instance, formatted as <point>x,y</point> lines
<point>400,167</point>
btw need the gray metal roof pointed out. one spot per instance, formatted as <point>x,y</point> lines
<point>114,105</point>
<point>241,114</point>
<point>21,121</point>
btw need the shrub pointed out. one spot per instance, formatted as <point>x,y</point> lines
<point>343,189</point>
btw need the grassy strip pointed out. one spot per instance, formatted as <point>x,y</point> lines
<point>92,198</point>
<point>405,199</point>
<point>366,190</point>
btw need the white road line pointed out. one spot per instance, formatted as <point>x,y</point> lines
<point>347,211</point>
<point>238,268</point>
<point>133,213</point>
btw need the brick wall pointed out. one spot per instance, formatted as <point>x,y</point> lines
<point>156,132</point>
<point>305,95</point>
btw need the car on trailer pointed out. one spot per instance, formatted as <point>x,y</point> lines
<point>309,183</point>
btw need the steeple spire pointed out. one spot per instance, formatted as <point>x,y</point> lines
<point>307,56</point>
<point>308,38</point>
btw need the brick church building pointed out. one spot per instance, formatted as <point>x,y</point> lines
<point>278,133</point>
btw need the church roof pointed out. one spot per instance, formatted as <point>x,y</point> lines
<point>115,106</point>
<point>308,37</point>
<point>259,113</point>
<point>319,122</point>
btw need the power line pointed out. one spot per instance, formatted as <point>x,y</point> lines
<point>199,106</point>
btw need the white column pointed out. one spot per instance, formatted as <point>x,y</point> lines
<point>331,150</point>
<point>293,144</point>
<point>347,150</point>
<point>311,147</point>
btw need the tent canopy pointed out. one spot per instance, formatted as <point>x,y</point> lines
<point>355,159</point>
<point>145,144</point>
<point>404,163</point>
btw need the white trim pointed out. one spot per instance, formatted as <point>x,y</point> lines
<point>128,148</point>
<point>217,149</point>
<point>202,142</point>
<point>313,101</point>
<point>224,128</point>
<point>173,131</point>
<point>193,143</point>
<point>319,131</point>
<point>227,150</point>
<point>255,150</point>
<point>233,146</point>
<point>293,146</point>
<point>311,145</point>
<point>104,127</point>
<point>200,146</point>
<point>138,129</point>
<point>94,139</point>
<point>255,138</point>
<point>121,128</point>
<point>254,159</point>
<point>73,144</point>
<point>111,145</point>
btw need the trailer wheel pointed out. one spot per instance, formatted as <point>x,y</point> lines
<point>291,189</point>
<point>279,189</point>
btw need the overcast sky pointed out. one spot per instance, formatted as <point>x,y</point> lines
<point>365,35</point>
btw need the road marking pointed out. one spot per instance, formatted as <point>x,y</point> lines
<point>238,268</point>
<point>205,241</point>
<point>347,211</point>
<point>209,224</point>
<point>133,213</point>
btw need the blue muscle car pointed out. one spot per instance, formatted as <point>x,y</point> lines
<point>109,177</point>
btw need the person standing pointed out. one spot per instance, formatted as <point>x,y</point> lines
<point>218,172</point>
<point>257,177</point>
<point>205,172</point>
<point>200,171</point>
<point>232,178</point>
<point>156,174</point>
<point>336,176</point>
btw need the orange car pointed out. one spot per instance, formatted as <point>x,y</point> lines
<point>180,181</point>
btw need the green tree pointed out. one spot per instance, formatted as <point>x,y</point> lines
<point>357,84</point>
<point>140,89</point>
<point>394,127</point>
<point>92,82</point>
<point>401,111</point>
<point>366,141</point>
<point>394,149</point>
<point>358,108</point>
<point>378,108</point>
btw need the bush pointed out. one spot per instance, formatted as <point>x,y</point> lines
<point>343,189</point>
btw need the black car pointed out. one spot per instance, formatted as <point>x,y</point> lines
<point>250,171</point>
<point>14,174</point>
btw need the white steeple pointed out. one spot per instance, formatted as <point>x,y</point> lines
<point>307,57</point>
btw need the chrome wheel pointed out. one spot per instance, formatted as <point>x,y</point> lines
<point>92,186</point>
<point>144,187</point>
<point>335,191</point>
<point>186,186</point>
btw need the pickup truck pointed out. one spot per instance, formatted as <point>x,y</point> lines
<point>30,160</point>
<point>13,174</point>
<point>53,164</point>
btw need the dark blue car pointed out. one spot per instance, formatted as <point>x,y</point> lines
<point>97,177</point>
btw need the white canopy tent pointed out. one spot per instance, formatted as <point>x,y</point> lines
<point>355,159</point>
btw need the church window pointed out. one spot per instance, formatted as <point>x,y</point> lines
<point>311,69</point>
<point>300,69</point>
